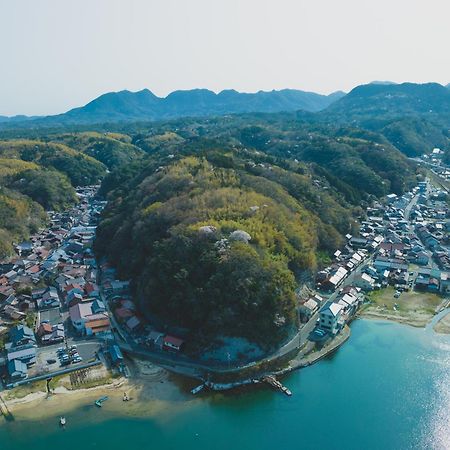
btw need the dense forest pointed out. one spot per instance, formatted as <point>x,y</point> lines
<point>223,217</point>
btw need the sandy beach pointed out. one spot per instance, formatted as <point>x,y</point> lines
<point>414,319</point>
<point>443,326</point>
<point>151,390</point>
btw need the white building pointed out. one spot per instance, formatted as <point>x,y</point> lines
<point>364,281</point>
<point>330,316</point>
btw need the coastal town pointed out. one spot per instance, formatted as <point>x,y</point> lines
<point>62,311</point>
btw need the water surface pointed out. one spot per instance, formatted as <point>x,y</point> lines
<point>387,388</point>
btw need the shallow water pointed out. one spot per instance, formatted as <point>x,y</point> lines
<point>387,388</point>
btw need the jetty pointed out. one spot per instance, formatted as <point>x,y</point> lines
<point>273,382</point>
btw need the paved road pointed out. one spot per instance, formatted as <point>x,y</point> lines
<point>410,205</point>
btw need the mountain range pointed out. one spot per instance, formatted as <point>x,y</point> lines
<point>126,106</point>
<point>379,101</point>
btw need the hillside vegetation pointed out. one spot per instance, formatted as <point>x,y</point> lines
<point>79,168</point>
<point>211,242</point>
<point>222,221</point>
<point>111,149</point>
<point>35,176</point>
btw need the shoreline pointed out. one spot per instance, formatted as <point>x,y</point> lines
<point>404,320</point>
<point>155,388</point>
<point>150,392</point>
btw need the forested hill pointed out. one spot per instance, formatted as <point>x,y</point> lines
<point>413,117</point>
<point>40,174</point>
<point>381,101</point>
<point>223,219</point>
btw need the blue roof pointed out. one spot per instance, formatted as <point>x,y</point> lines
<point>17,366</point>
<point>116,354</point>
<point>19,332</point>
<point>27,353</point>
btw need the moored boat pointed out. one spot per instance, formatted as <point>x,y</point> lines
<point>100,401</point>
<point>197,389</point>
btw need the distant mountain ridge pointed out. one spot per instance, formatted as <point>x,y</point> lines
<point>388,100</point>
<point>369,105</point>
<point>143,105</point>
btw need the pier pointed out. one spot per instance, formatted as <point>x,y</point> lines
<point>273,382</point>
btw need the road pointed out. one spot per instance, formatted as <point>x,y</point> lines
<point>162,357</point>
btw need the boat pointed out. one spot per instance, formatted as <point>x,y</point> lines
<point>286,391</point>
<point>100,401</point>
<point>125,397</point>
<point>62,421</point>
<point>197,389</point>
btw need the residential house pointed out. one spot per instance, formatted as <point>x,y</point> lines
<point>17,370</point>
<point>20,335</point>
<point>330,317</point>
<point>86,321</point>
<point>364,281</point>
<point>26,354</point>
<point>172,343</point>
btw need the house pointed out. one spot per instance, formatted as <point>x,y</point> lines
<point>17,370</point>
<point>92,290</point>
<point>51,334</point>
<point>98,306</point>
<point>20,335</point>
<point>116,355</point>
<point>330,316</point>
<point>26,354</point>
<point>335,280</point>
<point>364,281</point>
<point>358,242</point>
<point>97,326</point>
<point>421,258</point>
<point>445,282</point>
<point>308,309</point>
<point>172,343</point>
<point>350,303</point>
<point>133,323</point>
<point>86,321</point>
<point>156,338</point>
<point>49,299</point>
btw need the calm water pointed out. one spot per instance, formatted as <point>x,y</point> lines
<point>387,388</point>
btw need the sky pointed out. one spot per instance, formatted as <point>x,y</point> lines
<point>59,54</point>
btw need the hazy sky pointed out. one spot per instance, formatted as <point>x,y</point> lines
<point>58,54</point>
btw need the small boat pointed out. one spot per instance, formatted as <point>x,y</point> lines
<point>286,391</point>
<point>100,401</point>
<point>125,397</point>
<point>197,389</point>
<point>62,421</point>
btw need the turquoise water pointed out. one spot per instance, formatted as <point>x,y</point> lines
<point>387,388</point>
